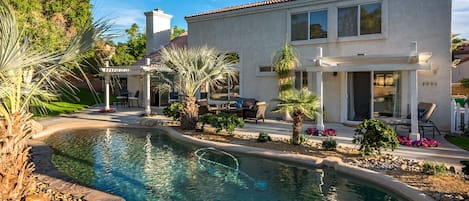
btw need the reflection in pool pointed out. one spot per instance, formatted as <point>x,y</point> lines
<point>145,164</point>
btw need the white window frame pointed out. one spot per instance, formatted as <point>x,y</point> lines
<point>308,29</point>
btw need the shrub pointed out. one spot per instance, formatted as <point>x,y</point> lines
<point>173,110</point>
<point>329,144</point>
<point>264,137</point>
<point>373,135</point>
<point>326,132</point>
<point>465,169</point>
<point>465,82</point>
<point>298,141</point>
<point>433,168</point>
<point>222,121</point>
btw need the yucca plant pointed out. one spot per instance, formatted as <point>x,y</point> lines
<point>284,62</point>
<point>28,78</point>
<point>299,104</point>
<point>193,69</point>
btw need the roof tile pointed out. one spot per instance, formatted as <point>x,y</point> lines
<point>239,7</point>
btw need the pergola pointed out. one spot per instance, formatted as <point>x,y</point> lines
<point>145,71</point>
<point>411,62</point>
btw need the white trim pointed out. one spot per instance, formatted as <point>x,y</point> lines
<point>369,67</point>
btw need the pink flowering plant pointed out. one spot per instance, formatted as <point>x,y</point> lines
<point>423,142</point>
<point>328,132</point>
<point>110,110</point>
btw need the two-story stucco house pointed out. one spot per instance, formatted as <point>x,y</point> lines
<point>365,58</point>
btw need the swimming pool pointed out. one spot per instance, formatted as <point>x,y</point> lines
<point>145,164</point>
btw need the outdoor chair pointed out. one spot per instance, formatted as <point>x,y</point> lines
<point>122,98</point>
<point>257,112</point>
<point>134,99</point>
<point>425,112</point>
<point>205,108</point>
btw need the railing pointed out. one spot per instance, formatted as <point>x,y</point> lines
<point>459,118</point>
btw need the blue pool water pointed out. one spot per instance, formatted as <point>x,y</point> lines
<point>145,164</point>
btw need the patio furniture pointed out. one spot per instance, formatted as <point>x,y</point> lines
<point>134,99</point>
<point>205,108</point>
<point>173,96</point>
<point>257,112</point>
<point>122,99</point>
<point>425,111</point>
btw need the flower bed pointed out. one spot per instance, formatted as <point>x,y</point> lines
<point>423,142</point>
<point>326,132</point>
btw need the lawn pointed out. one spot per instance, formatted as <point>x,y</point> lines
<point>84,98</point>
<point>460,141</point>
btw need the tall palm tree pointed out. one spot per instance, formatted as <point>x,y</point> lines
<point>284,62</point>
<point>299,104</point>
<point>194,69</point>
<point>28,77</point>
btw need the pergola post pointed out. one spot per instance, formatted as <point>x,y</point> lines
<point>319,90</point>
<point>107,80</point>
<point>414,130</point>
<point>147,89</point>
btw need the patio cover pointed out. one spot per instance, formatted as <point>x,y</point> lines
<point>144,70</point>
<point>411,62</point>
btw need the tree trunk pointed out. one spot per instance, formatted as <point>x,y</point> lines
<point>189,114</point>
<point>15,169</point>
<point>298,117</point>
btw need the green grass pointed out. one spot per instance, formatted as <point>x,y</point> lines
<point>84,98</point>
<point>460,141</point>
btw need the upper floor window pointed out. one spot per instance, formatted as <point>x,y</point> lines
<point>312,25</point>
<point>359,20</point>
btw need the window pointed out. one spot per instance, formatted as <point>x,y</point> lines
<point>317,22</point>
<point>301,80</point>
<point>369,19</point>
<point>266,69</point>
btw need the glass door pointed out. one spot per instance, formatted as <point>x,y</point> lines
<point>386,94</point>
<point>359,96</point>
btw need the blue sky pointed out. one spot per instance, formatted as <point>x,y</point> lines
<point>124,13</point>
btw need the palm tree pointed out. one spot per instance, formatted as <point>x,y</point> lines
<point>194,69</point>
<point>456,42</point>
<point>28,78</point>
<point>298,104</point>
<point>284,62</point>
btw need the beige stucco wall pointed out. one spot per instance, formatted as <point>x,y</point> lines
<point>256,33</point>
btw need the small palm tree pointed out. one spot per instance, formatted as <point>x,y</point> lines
<point>194,69</point>
<point>298,104</point>
<point>28,78</point>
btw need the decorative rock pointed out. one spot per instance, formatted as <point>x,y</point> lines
<point>38,197</point>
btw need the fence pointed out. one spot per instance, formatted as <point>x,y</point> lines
<point>459,117</point>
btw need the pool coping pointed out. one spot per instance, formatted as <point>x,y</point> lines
<point>59,180</point>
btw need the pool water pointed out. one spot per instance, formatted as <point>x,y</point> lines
<point>145,164</point>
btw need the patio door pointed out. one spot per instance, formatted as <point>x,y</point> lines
<point>359,96</point>
<point>373,94</point>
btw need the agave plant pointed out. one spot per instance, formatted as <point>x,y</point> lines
<point>28,78</point>
<point>194,69</point>
<point>299,104</point>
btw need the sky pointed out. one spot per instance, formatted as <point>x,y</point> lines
<point>124,13</point>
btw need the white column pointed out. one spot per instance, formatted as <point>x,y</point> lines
<point>319,90</point>
<point>414,129</point>
<point>107,79</point>
<point>147,93</point>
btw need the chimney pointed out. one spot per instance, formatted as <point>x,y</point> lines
<point>158,29</point>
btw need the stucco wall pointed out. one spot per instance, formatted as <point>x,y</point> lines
<point>256,33</point>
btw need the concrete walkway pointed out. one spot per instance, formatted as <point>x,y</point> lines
<point>447,152</point>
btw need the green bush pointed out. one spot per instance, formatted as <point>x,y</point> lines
<point>374,135</point>
<point>465,82</point>
<point>222,121</point>
<point>298,141</point>
<point>173,110</point>
<point>329,144</point>
<point>433,168</point>
<point>264,137</point>
<point>465,169</point>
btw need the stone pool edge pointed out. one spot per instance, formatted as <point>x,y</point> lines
<point>59,180</point>
<point>388,183</point>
